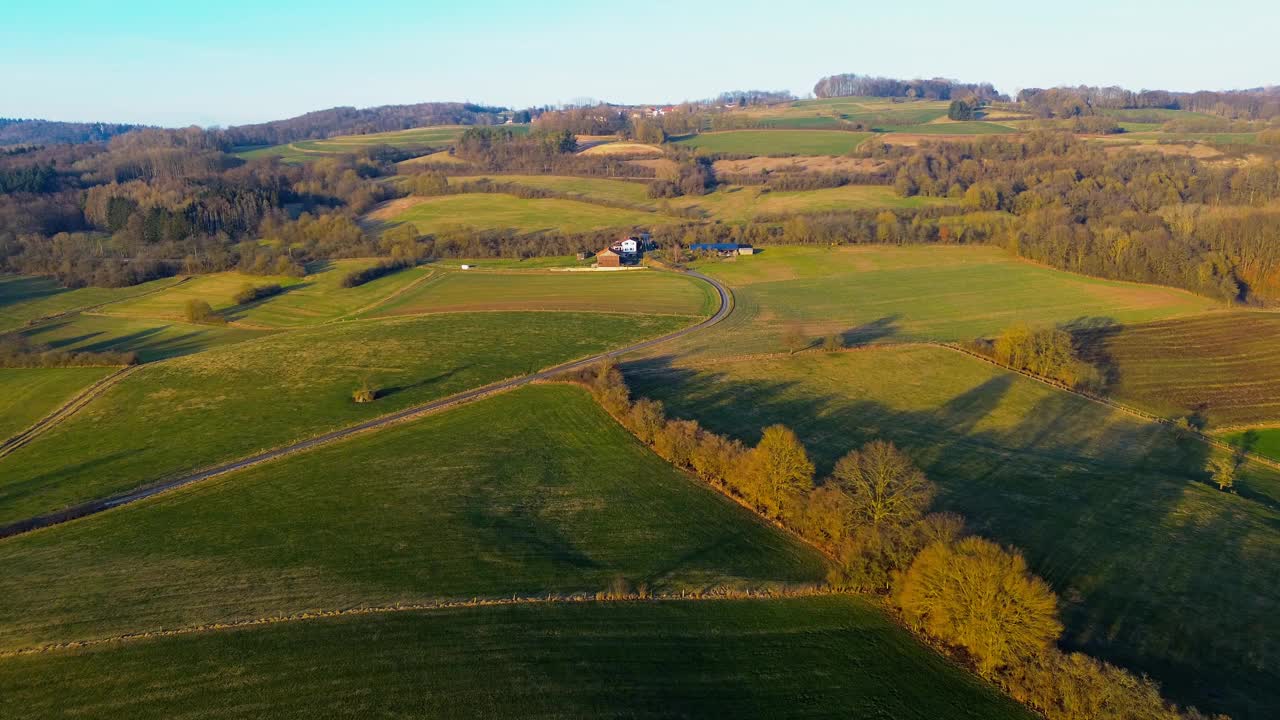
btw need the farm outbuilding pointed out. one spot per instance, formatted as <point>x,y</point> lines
<point>608,258</point>
<point>723,248</point>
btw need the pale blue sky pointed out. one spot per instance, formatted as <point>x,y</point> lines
<point>236,61</point>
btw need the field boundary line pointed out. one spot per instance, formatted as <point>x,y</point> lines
<point>795,590</point>
<point>65,410</point>
<point>92,507</point>
<point>431,273</point>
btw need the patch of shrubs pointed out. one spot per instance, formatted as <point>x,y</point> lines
<point>355,278</point>
<point>971,595</point>
<point>251,293</point>
<point>17,351</point>
<point>199,312</point>
<point>1047,352</point>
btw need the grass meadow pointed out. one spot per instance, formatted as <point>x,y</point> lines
<point>1263,441</point>
<point>740,658</point>
<point>1114,511</point>
<point>229,402</point>
<point>304,151</point>
<point>729,203</point>
<point>316,298</point>
<point>876,293</point>
<point>639,291</point>
<point>25,298</point>
<point>532,491</point>
<point>152,339</point>
<point>776,142</point>
<point>739,204</point>
<point>1221,369</point>
<point>628,192</point>
<point>28,394</point>
<point>498,211</point>
<point>956,128</point>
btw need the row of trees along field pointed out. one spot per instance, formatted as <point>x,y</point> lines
<point>853,85</point>
<point>1254,104</point>
<point>872,517</point>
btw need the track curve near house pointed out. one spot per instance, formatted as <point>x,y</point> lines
<point>96,506</point>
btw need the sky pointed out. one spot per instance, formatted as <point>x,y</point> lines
<point>231,62</point>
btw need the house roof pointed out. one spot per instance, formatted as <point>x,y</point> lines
<point>606,251</point>
<point>714,246</point>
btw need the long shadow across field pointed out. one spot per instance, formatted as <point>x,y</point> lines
<point>1157,571</point>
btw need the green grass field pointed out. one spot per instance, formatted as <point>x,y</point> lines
<point>528,492</point>
<point>308,150</point>
<point>884,293</point>
<point>192,411</point>
<point>640,291</point>
<point>1263,441</point>
<point>776,142</point>
<point>628,192</point>
<point>1221,369</point>
<point>1115,512</point>
<point>24,298</point>
<point>1149,114</point>
<point>545,262</point>
<point>812,657</point>
<point>731,203</point>
<point>744,204</point>
<point>316,298</point>
<point>151,339</point>
<point>498,211</point>
<point>954,128</point>
<point>28,394</point>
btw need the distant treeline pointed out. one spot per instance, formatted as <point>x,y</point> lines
<point>852,85</point>
<point>359,121</point>
<point>17,131</point>
<point>1149,217</point>
<point>1252,104</point>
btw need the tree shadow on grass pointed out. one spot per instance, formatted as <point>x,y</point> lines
<point>1111,510</point>
<point>869,333</point>
<point>1092,337</point>
<point>240,312</point>
<point>424,382</point>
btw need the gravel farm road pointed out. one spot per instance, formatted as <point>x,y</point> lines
<point>96,506</point>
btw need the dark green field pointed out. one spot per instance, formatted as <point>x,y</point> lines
<point>193,411</point>
<point>532,491</point>
<point>777,142</point>
<point>819,657</point>
<point>1115,512</point>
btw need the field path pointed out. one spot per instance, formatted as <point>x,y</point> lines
<point>96,506</point>
<point>66,410</point>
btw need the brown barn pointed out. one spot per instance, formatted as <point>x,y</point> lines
<point>608,258</point>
